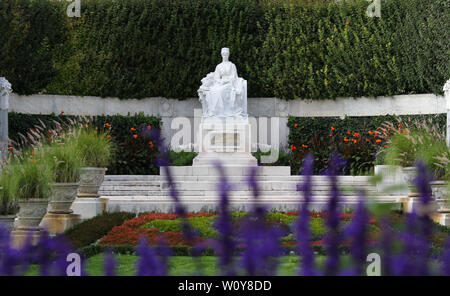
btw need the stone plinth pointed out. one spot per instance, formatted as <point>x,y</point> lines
<point>59,223</point>
<point>88,207</point>
<point>227,141</point>
<point>20,237</point>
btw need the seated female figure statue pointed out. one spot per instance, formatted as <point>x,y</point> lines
<point>222,92</point>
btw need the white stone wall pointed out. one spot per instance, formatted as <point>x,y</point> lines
<point>259,108</point>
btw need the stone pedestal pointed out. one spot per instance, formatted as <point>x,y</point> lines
<point>225,140</point>
<point>441,218</point>
<point>89,207</point>
<point>20,237</point>
<point>59,223</point>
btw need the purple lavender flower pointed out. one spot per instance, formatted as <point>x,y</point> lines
<point>262,247</point>
<point>149,263</point>
<point>303,235</point>
<point>446,259</point>
<point>333,238</point>
<point>357,232</point>
<point>422,182</point>
<point>225,243</point>
<point>386,247</point>
<point>109,263</point>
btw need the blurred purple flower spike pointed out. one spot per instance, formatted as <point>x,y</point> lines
<point>110,263</point>
<point>357,231</point>
<point>225,244</point>
<point>333,237</point>
<point>303,223</point>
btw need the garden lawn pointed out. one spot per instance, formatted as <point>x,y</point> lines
<point>186,265</point>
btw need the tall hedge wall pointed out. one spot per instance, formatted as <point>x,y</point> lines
<point>289,49</point>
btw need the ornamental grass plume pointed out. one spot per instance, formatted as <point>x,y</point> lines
<point>303,223</point>
<point>225,243</point>
<point>333,237</point>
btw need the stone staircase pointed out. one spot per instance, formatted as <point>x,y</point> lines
<point>198,190</point>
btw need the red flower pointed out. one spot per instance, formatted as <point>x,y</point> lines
<point>296,125</point>
<point>293,147</point>
<point>135,136</point>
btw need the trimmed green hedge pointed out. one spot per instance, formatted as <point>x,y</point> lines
<point>290,49</point>
<point>357,139</point>
<point>91,230</point>
<point>132,156</point>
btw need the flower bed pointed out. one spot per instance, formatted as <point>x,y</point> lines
<point>169,226</point>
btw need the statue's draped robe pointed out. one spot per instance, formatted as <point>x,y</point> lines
<point>221,92</point>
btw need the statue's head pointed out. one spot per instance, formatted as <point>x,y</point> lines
<point>225,52</point>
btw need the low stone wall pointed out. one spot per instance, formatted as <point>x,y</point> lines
<point>268,115</point>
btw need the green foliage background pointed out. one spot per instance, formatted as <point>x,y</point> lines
<point>131,156</point>
<point>311,49</point>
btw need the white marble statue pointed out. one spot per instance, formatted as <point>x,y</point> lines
<point>223,93</point>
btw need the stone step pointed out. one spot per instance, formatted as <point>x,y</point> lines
<point>236,193</point>
<point>229,171</point>
<point>316,178</point>
<point>140,204</point>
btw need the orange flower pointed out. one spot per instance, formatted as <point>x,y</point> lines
<point>107,125</point>
<point>62,111</point>
<point>304,146</point>
<point>354,141</point>
<point>367,140</point>
<point>86,125</point>
<point>385,146</point>
<point>49,132</point>
<point>332,128</point>
<point>345,139</point>
<point>349,133</point>
<point>378,128</point>
<point>356,135</point>
<point>95,131</point>
<point>331,135</point>
<point>399,125</point>
<point>150,144</point>
<point>375,134</point>
<point>108,136</point>
<point>135,136</point>
<point>133,129</point>
<point>370,132</point>
<point>10,148</point>
<point>378,141</point>
<point>149,126</point>
<point>293,147</point>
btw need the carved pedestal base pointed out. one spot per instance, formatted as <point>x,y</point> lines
<point>59,223</point>
<point>227,141</point>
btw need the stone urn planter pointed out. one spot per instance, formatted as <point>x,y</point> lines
<point>91,179</point>
<point>31,213</point>
<point>410,174</point>
<point>62,197</point>
<point>7,222</point>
